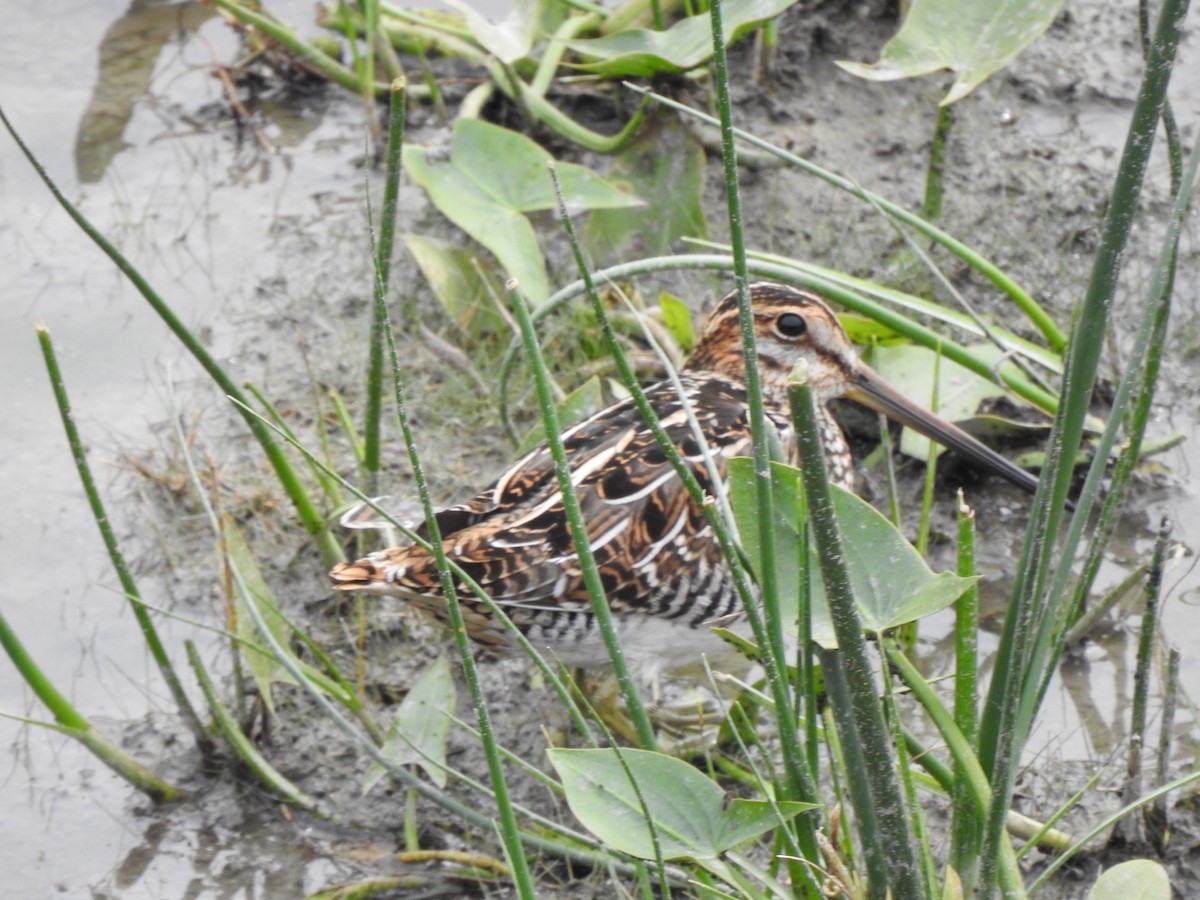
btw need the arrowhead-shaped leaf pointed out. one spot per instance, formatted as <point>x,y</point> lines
<point>972,38</point>
<point>418,733</point>
<point>891,583</point>
<point>685,807</point>
<point>264,668</point>
<point>487,183</point>
<point>642,53</point>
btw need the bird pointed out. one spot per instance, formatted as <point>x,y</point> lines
<point>663,572</point>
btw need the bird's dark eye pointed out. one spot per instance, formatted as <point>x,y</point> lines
<point>791,325</point>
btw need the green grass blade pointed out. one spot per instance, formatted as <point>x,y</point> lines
<point>849,292</point>
<point>578,528</point>
<point>1141,376</point>
<point>510,834</point>
<point>1083,841</point>
<point>993,273</point>
<point>969,774</point>
<point>798,784</point>
<point>964,833</point>
<point>243,747</point>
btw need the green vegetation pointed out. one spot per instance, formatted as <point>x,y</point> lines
<point>834,747</point>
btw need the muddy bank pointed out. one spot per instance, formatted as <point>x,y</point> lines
<point>285,304</point>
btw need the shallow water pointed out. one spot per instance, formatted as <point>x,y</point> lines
<point>153,161</point>
<point>231,235</point>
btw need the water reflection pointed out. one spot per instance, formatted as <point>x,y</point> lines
<point>129,51</point>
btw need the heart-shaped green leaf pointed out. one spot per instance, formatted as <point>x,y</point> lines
<point>685,808</point>
<point>487,183</point>
<point>642,53</point>
<point>972,38</point>
<point>891,583</point>
<point>419,731</point>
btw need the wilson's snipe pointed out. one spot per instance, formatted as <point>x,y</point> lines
<point>661,567</point>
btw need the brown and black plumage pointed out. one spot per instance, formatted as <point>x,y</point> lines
<point>662,569</point>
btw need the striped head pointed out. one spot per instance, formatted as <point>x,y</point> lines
<point>790,325</point>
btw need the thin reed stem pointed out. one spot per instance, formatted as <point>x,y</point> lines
<point>798,784</point>
<point>575,521</point>
<point>1148,637</point>
<point>149,633</point>
<point>935,174</point>
<point>373,421</point>
<point>964,834</point>
<point>895,837</point>
<point>509,832</point>
<point>1015,685</point>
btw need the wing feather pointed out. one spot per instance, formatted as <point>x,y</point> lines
<point>650,540</point>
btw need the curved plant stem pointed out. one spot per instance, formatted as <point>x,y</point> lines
<point>1038,316</point>
<point>73,723</point>
<point>509,832</point>
<point>557,46</point>
<point>834,289</point>
<point>244,747</point>
<point>541,109</point>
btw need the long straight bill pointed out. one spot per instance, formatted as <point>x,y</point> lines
<point>872,391</point>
